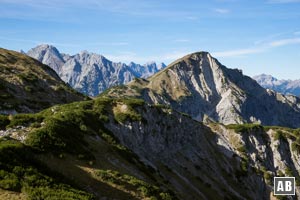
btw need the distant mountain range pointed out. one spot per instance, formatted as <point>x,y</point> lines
<point>282,86</point>
<point>91,73</point>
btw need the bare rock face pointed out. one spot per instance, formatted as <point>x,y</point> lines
<point>48,55</point>
<point>91,73</point>
<point>210,161</point>
<point>200,86</point>
<point>291,87</point>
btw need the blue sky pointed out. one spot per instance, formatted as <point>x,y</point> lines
<point>258,36</point>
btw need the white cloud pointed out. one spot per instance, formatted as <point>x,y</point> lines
<point>239,52</point>
<point>284,42</point>
<point>169,57</point>
<point>222,10</point>
<point>284,1</point>
<point>297,33</point>
<point>258,48</point>
<point>181,40</point>
<point>191,17</point>
<point>127,57</point>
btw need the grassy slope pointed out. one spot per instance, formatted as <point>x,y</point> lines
<point>72,140</point>
<point>27,85</point>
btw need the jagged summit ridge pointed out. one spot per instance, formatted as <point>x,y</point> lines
<point>91,73</point>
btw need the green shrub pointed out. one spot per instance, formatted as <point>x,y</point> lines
<point>245,128</point>
<point>278,135</point>
<point>146,190</point>
<point>134,102</point>
<point>4,121</point>
<point>288,172</point>
<point>9,181</point>
<point>242,149</point>
<point>20,171</point>
<point>24,119</point>
<point>125,116</point>
<point>295,147</point>
<point>28,89</point>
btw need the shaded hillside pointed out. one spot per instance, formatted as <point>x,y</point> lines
<point>126,149</point>
<point>26,85</point>
<point>200,86</point>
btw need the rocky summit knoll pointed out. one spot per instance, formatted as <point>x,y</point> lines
<point>200,86</point>
<point>91,73</point>
<point>27,85</point>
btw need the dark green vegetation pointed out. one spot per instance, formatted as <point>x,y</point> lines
<point>243,128</point>
<point>21,172</point>
<point>132,183</point>
<point>130,113</point>
<point>62,130</point>
<point>27,85</point>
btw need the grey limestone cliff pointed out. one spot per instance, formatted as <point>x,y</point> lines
<point>200,86</point>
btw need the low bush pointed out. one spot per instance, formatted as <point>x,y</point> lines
<point>145,190</point>
<point>25,174</point>
<point>24,119</point>
<point>4,121</point>
<point>245,128</point>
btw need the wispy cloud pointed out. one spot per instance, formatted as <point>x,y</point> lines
<point>107,44</point>
<point>284,1</point>
<point>37,42</point>
<point>297,33</point>
<point>181,40</point>
<point>259,48</point>
<point>285,42</point>
<point>127,57</point>
<point>239,52</point>
<point>44,9</point>
<point>222,10</point>
<point>168,57</point>
<point>191,17</point>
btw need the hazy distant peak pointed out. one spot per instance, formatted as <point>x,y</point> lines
<point>282,86</point>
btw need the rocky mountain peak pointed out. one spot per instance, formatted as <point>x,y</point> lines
<point>200,86</point>
<point>49,55</point>
<point>91,73</point>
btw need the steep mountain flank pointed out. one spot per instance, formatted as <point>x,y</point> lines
<point>91,73</point>
<point>200,86</point>
<point>127,149</point>
<point>27,85</point>
<point>283,86</point>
